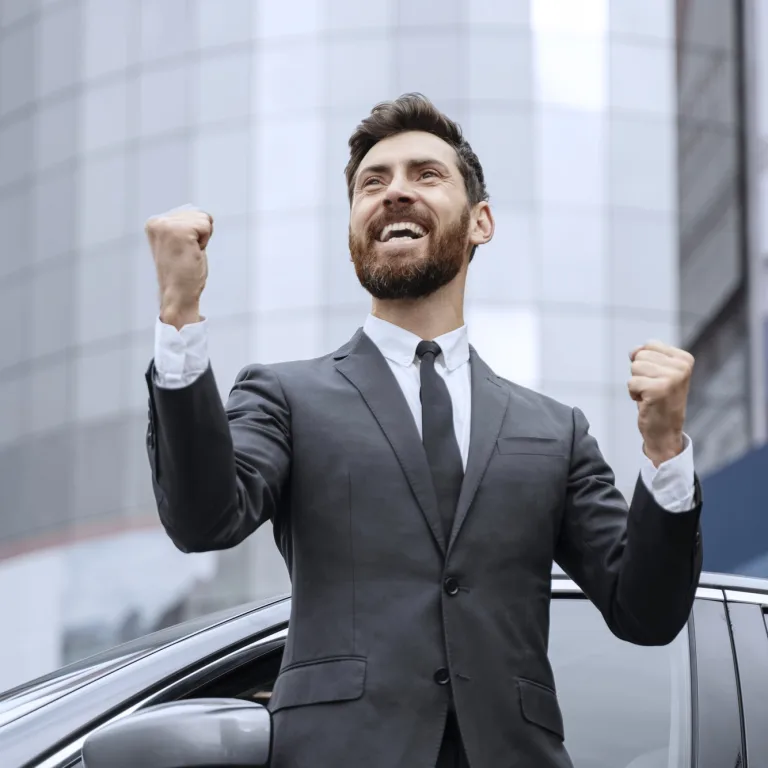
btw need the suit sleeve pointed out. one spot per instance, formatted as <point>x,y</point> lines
<point>640,566</point>
<point>218,472</point>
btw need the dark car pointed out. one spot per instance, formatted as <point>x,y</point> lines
<point>701,701</point>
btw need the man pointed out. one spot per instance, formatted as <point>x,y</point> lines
<point>418,499</point>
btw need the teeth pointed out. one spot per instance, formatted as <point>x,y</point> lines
<point>409,225</point>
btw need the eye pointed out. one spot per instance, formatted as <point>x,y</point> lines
<point>369,181</point>
<point>425,174</point>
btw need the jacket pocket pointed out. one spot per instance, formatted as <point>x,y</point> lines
<point>539,706</point>
<point>532,446</point>
<point>340,678</point>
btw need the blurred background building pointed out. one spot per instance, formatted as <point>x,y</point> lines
<point>615,143</point>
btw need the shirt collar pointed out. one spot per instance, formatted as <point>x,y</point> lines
<point>399,345</point>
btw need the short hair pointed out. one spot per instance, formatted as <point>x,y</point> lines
<point>414,112</point>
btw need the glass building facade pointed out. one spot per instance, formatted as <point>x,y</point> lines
<point>114,110</point>
<point>714,243</point>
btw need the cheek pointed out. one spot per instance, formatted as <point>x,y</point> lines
<point>358,222</point>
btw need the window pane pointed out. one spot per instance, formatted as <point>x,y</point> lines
<point>166,29</point>
<point>58,49</point>
<point>505,141</point>
<point>163,101</point>
<point>642,77</point>
<point>656,18</point>
<point>570,153</point>
<point>56,132</point>
<point>622,704</point>
<point>222,90</point>
<point>103,199</point>
<point>16,150</point>
<point>220,176</point>
<point>106,45</point>
<point>53,308</point>
<point>352,14</point>
<point>164,173</point>
<point>16,69</point>
<point>288,78</point>
<point>301,17</point>
<point>508,340</point>
<point>642,168</point>
<point>506,270</point>
<point>288,276</point>
<point>16,223</point>
<point>215,27</point>
<point>360,87</point>
<point>12,11</point>
<point>571,71</point>
<point>54,211</point>
<point>105,118</point>
<point>500,66</point>
<point>439,70</point>
<point>287,165</point>
<point>429,13</point>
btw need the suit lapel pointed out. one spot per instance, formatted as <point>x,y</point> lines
<point>489,404</point>
<point>363,365</point>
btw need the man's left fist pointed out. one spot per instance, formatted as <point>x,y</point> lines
<point>661,376</point>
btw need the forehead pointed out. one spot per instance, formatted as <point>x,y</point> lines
<point>406,147</point>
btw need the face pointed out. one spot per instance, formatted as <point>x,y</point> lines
<point>411,227</point>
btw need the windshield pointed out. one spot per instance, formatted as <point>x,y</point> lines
<point>25,698</point>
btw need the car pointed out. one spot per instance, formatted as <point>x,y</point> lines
<point>700,701</point>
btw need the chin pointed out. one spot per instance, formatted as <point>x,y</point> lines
<point>400,251</point>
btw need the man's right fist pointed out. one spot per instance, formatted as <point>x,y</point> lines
<point>178,240</point>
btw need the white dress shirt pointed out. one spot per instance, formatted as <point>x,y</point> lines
<point>182,356</point>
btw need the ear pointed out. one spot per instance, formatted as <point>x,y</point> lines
<point>482,225</point>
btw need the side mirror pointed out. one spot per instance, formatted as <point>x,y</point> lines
<point>214,733</point>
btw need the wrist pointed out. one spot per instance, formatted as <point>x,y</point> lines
<point>664,449</point>
<point>179,315</point>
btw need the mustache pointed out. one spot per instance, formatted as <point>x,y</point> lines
<point>408,214</point>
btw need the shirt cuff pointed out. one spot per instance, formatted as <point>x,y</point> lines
<point>672,484</point>
<point>181,357</point>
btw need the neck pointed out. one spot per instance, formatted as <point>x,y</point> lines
<point>428,317</point>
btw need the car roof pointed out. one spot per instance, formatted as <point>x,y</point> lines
<point>709,579</point>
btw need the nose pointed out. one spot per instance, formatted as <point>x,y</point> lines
<point>398,192</point>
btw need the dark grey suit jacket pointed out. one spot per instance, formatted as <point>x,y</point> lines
<point>328,450</point>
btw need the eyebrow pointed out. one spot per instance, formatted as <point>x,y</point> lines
<point>412,164</point>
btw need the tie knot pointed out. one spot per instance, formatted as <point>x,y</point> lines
<point>428,348</point>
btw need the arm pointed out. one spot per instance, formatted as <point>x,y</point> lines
<point>218,473</point>
<point>639,567</point>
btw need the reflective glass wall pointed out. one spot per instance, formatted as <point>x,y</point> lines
<point>112,110</point>
<point>714,263</point>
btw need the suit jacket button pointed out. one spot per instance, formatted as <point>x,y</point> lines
<point>451,586</point>
<point>442,676</point>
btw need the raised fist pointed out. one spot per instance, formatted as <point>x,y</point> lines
<point>178,240</point>
<point>661,377</point>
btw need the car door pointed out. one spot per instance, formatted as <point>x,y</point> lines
<point>624,706</point>
<point>748,613</point>
<point>627,706</point>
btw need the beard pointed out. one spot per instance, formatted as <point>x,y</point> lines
<point>407,273</point>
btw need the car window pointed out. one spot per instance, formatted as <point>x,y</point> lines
<point>624,706</point>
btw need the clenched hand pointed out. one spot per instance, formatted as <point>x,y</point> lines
<point>178,241</point>
<point>661,377</point>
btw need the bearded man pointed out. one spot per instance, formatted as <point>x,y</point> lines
<point>419,499</point>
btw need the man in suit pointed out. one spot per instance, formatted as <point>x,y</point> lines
<point>418,499</point>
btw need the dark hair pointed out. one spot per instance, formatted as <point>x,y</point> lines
<point>414,112</point>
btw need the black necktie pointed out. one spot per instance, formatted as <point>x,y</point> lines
<point>439,436</point>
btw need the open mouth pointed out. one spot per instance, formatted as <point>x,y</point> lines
<point>401,231</point>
